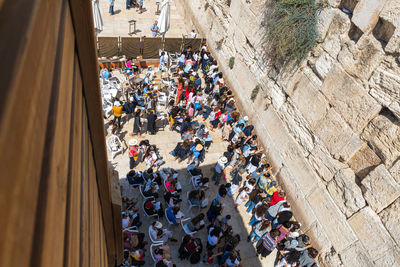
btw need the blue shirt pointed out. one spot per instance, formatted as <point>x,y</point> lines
<point>171,216</point>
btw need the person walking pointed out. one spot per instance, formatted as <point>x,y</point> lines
<point>133,152</point>
<point>111,9</point>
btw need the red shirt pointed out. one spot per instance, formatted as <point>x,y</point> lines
<point>133,151</point>
<point>275,198</point>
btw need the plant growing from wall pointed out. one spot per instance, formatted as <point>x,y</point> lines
<point>254,93</point>
<point>206,5</point>
<point>291,29</point>
<point>231,62</point>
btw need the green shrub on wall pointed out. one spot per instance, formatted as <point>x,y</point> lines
<point>231,62</point>
<point>291,29</point>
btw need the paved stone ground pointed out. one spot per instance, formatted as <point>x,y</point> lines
<point>166,141</point>
<point>117,25</point>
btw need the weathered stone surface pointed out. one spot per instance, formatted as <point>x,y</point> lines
<point>340,140</point>
<point>299,204</point>
<point>298,126</point>
<point>276,94</point>
<point>323,163</point>
<point>383,136</point>
<point>324,21</point>
<point>395,171</point>
<point>390,258</point>
<point>361,59</point>
<point>331,218</point>
<point>370,231</point>
<point>288,150</point>
<point>323,66</point>
<point>385,83</point>
<point>346,193</point>
<point>366,14</point>
<point>311,103</point>
<point>364,161</point>
<point>329,259</point>
<point>380,189</point>
<point>350,99</point>
<point>390,218</point>
<point>355,256</point>
<point>317,232</point>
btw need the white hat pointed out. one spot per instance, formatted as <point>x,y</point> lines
<point>131,98</point>
<point>222,160</point>
<point>117,104</point>
<point>246,118</point>
<point>199,147</point>
<point>194,73</point>
<point>133,142</point>
<point>158,225</point>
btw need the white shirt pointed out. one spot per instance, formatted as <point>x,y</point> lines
<point>212,240</point>
<point>219,168</point>
<point>193,35</point>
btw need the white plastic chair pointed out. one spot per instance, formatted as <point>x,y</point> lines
<point>153,240</point>
<point>190,203</point>
<point>132,229</point>
<point>156,244</point>
<point>114,145</point>
<point>185,228</point>
<point>144,197</point>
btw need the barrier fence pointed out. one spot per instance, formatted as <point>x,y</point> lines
<point>147,47</point>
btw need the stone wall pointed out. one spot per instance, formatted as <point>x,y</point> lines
<point>331,126</point>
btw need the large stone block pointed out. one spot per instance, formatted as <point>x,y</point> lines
<point>390,258</point>
<point>380,189</point>
<point>296,198</point>
<point>390,218</point>
<point>311,103</point>
<point>323,163</point>
<point>323,65</point>
<point>395,171</point>
<point>350,99</point>
<point>331,218</point>
<point>298,126</point>
<point>355,256</point>
<point>371,233</point>
<point>366,14</point>
<point>383,136</point>
<point>324,21</point>
<point>385,83</point>
<point>339,139</point>
<point>361,59</point>
<point>319,238</point>
<point>364,161</point>
<point>346,193</point>
<point>288,149</point>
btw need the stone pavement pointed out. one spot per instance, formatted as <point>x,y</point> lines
<point>166,141</point>
<point>117,25</point>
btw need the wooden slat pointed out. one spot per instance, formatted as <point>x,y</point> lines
<point>52,208</point>
<point>108,46</point>
<point>22,133</point>
<point>84,250</point>
<point>86,48</point>
<point>73,232</point>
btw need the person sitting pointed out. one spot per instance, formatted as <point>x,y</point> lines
<point>213,238</point>
<point>268,243</point>
<point>152,207</point>
<point>137,257</point>
<point>173,186</point>
<point>171,199</point>
<point>201,182</point>
<point>181,150</point>
<point>174,214</point>
<point>133,241</point>
<point>134,177</point>
<point>189,247</point>
<point>158,234</point>
<point>197,198</point>
<point>197,223</point>
<point>150,189</point>
<point>162,253</point>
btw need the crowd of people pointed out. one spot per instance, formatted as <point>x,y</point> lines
<point>200,103</point>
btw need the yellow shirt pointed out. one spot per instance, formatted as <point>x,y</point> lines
<point>117,111</point>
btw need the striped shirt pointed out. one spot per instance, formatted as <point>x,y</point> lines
<point>268,242</point>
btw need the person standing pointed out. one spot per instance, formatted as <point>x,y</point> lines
<point>219,169</point>
<point>154,29</point>
<point>117,112</point>
<point>128,4</point>
<point>111,10</point>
